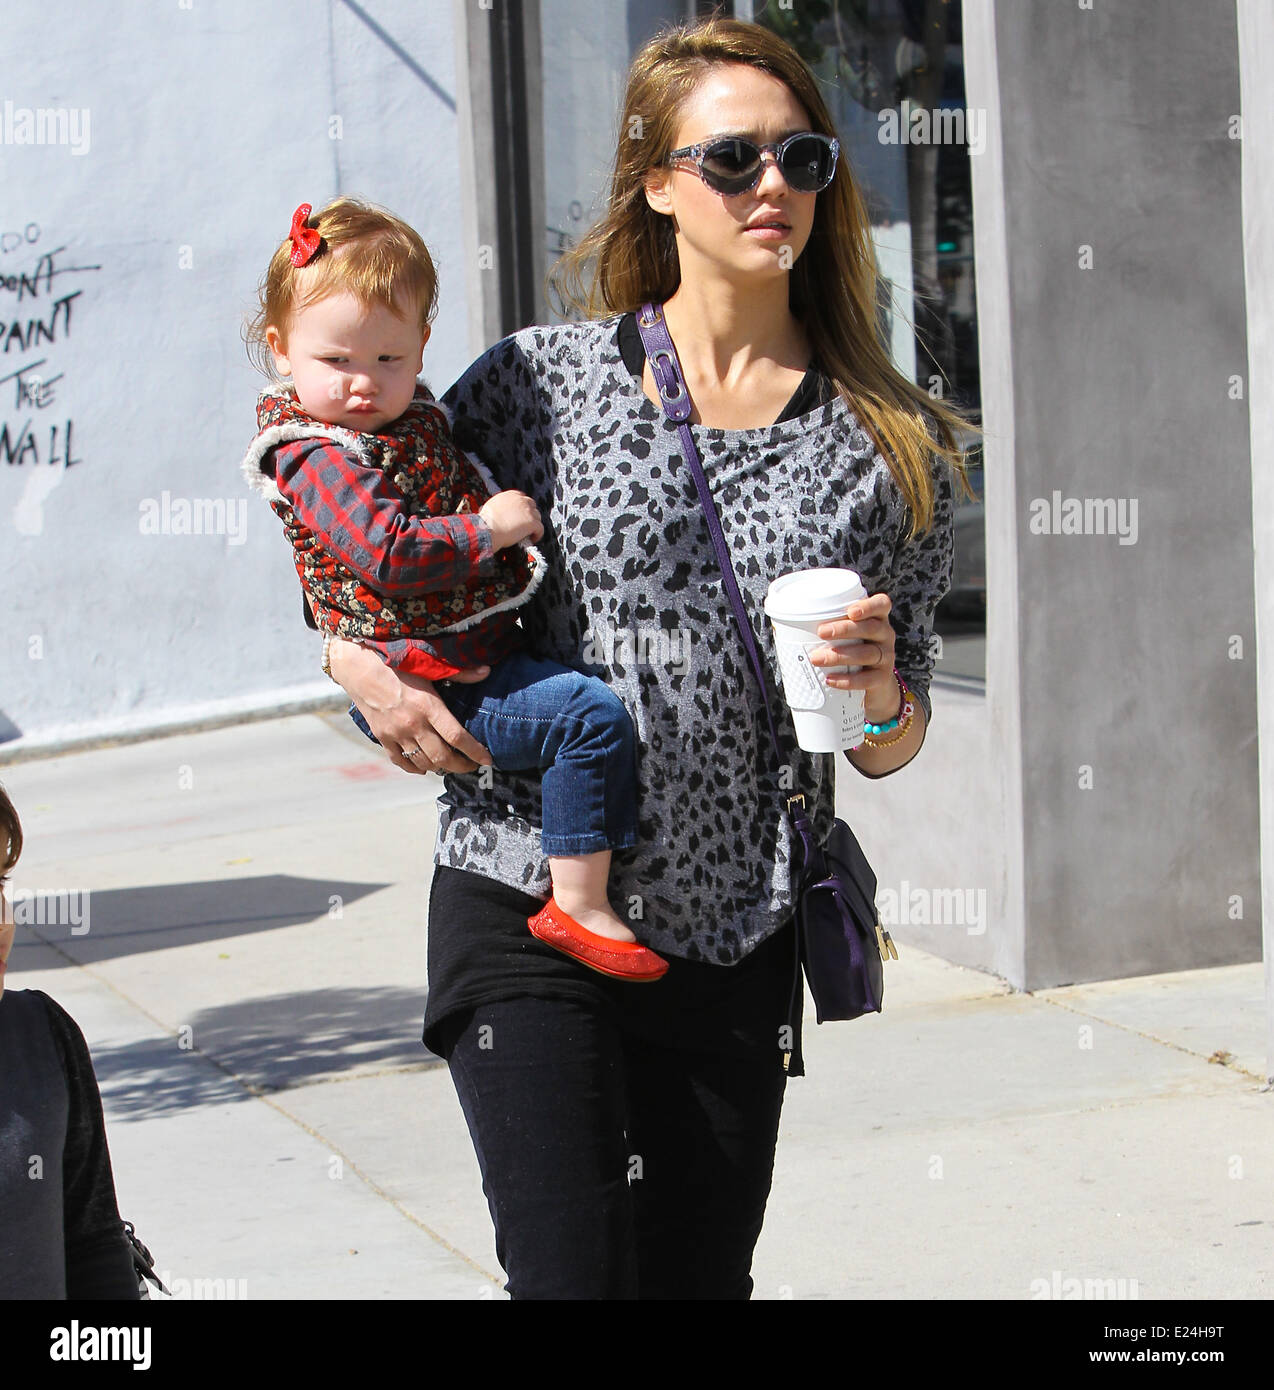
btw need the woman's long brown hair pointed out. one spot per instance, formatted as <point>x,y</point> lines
<point>630,255</point>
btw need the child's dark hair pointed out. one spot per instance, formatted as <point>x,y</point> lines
<point>10,834</point>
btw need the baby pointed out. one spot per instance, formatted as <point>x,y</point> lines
<point>405,545</point>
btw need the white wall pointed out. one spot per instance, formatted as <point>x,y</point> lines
<point>207,123</point>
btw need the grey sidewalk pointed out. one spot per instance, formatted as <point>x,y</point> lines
<point>252,982</point>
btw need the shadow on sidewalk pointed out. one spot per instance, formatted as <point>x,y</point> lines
<point>105,925</point>
<point>272,1043</point>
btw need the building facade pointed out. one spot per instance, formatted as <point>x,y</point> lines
<point>1068,208</point>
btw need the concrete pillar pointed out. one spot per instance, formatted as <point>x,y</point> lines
<point>1256,57</point>
<point>1104,792</point>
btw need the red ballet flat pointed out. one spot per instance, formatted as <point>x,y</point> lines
<point>622,960</point>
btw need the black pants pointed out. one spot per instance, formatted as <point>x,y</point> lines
<point>625,1132</point>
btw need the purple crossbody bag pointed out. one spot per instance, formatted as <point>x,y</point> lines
<point>840,941</point>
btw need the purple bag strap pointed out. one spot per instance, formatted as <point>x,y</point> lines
<point>666,369</point>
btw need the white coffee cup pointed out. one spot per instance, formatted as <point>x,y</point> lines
<point>827,719</point>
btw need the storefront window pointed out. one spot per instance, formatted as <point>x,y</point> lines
<point>585,52</point>
<point>893,74</point>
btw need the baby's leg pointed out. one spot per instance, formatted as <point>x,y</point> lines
<point>537,714</point>
<point>579,889</point>
<point>356,715</point>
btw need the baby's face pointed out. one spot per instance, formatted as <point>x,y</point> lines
<point>352,364</point>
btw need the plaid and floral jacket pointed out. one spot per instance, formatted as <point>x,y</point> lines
<point>385,535</point>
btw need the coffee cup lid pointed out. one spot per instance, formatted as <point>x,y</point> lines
<point>813,594</point>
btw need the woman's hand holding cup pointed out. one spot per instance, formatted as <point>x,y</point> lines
<point>866,622</point>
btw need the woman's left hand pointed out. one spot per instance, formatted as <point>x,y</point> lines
<point>867,622</point>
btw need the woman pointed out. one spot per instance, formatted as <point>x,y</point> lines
<point>626,1136</point>
<point>60,1232</point>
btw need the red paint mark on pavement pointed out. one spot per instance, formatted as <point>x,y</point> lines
<point>365,772</point>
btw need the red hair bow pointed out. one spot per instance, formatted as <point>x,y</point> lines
<point>305,240</point>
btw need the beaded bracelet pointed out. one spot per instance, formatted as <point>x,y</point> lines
<point>327,656</point>
<point>903,730</point>
<point>901,723</point>
<point>875,729</point>
<point>893,723</point>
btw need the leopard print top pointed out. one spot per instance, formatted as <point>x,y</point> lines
<point>633,594</point>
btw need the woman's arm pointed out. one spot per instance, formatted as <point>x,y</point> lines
<point>868,621</point>
<point>405,712</point>
<point>899,625</point>
<point>880,762</point>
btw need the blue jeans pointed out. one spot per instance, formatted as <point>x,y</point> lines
<point>534,714</point>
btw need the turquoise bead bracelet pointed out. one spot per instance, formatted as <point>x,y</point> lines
<point>875,730</point>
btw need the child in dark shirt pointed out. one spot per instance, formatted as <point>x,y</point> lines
<point>60,1230</point>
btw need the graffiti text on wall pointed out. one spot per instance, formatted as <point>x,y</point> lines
<point>37,309</point>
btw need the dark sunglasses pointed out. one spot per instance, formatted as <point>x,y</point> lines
<point>733,165</point>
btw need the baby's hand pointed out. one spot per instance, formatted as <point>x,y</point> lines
<point>512,517</point>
